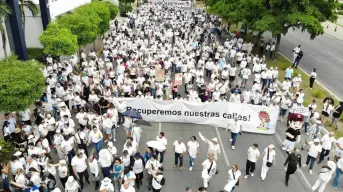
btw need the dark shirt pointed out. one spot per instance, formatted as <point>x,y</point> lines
<point>293,132</point>
<point>337,112</point>
<point>293,160</point>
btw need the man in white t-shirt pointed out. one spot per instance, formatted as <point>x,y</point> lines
<point>327,141</point>
<point>235,128</point>
<point>296,50</point>
<point>79,164</point>
<point>253,155</point>
<point>179,149</point>
<point>157,182</point>
<point>162,139</point>
<point>126,187</point>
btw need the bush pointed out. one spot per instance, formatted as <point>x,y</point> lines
<point>124,8</point>
<point>36,54</point>
<point>339,12</point>
<point>113,9</point>
<point>318,93</point>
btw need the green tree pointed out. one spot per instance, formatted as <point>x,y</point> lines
<point>4,12</point>
<point>58,41</point>
<point>113,9</point>
<point>31,6</point>
<point>6,151</point>
<point>81,26</point>
<point>21,84</point>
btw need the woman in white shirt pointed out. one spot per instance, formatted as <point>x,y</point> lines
<point>327,109</point>
<point>213,146</point>
<point>209,168</point>
<point>268,160</point>
<point>138,168</point>
<point>129,176</point>
<point>233,178</point>
<point>325,175</point>
<point>193,151</point>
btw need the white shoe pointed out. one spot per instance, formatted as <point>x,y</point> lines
<point>251,174</point>
<point>263,179</point>
<point>233,147</point>
<point>230,139</point>
<point>281,119</point>
<point>190,169</point>
<point>310,171</point>
<point>304,165</point>
<point>246,177</point>
<point>114,140</point>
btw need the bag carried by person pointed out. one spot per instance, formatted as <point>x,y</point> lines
<point>269,164</point>
<point>163,180</point>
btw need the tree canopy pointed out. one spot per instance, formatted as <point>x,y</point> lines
<point>21,84</point>
<point>58,41</point>
<point>276,16</point>
<point>80,26</point>
<point>6,151</point>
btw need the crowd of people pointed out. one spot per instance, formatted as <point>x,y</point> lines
<point>72,130</point>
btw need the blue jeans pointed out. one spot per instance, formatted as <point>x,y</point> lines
<point>106,171</point>
<point>234,138</point>
<point>310,160</point>
<point>336,179</point>
<point>177,157</point>
<point>161,155</point>
<point>55,112</point>
<point>191,161</point>
<point>98,146</point>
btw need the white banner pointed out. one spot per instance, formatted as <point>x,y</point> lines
<point>171,3</point>
<point>255,119</point>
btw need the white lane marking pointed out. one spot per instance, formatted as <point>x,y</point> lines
<point>316,79</point>
<point>159,128</point>
<point>336,56</point>
<point>222,146</point>
<point>300,171</point>
<point>314,57</point>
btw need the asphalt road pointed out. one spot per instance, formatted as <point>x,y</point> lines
<point>325,53</point>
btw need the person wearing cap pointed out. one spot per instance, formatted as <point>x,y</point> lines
<point>72,185</point>
<point>313,153</point>
<point>235,97</point>
<point>209,168</point>
<point>268,159</point>
<point>106,184</point>
<point>253,156</point>
<point>79,165</point>
<point>179,149</point>
<point>292,162</point>
<point>324,176</point>
<point>213,146</point>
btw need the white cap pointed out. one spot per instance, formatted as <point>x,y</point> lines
<point>316,140</point>
<point>30,137</point>
<point>271,146</point>
<point>18,153</point>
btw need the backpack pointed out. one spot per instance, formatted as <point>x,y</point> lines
<point>163,180</point>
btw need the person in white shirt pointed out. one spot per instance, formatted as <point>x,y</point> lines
<point>235,128</point>
<point>126,187</point>
<point>253,155</point>
<point>106,185</point>
<point>268,160</point>
<point>339,171</point>
<point>121,106</point>
<point>295,51</point>
<point>313,154</point>
<point>235,97</point>
<point>79,164</point>
<point>162,139</point>
<point>71,185</point>
<point>313,77</point>
<point>179,149</point>
<point>193,151</point>
<point>138,168</point>
<point>324,176</point>
<point>152,165</point>
<point>105,161</point>
<point>285,105</point>
<point>25,116</point>
<point>94,169</point>
<point>95,137</point>
<point>234,175</point>
<point>327,141</point>
<point>209,168</point>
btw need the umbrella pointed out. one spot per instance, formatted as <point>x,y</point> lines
<point>143,122</point>
<point>156,145</point>
<point>133,114</point>
<point>216,30</point>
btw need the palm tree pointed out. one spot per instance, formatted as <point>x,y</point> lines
<point>30,5</point>
<point>4,12</point>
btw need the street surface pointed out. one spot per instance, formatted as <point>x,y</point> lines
<point>325,53</point>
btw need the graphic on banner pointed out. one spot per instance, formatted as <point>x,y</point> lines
<point>256,119</point>
<point>170,3</point>
<point>265,120</point>
<point>178,79</point>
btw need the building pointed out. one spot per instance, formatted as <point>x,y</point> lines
<point>34,26</point>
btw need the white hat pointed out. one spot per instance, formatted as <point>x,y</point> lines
<point>316,140</point>
<point>271,146</point>
<point>106,180</point>
<point>70,179</point>
<point>316,115</point>
<point>110,144</point>
<point>214,139</point>
<point>18,153</point>
<point>300,100</point>
<point>170,96</point>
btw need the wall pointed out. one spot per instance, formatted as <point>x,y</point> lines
<point>58,7</point>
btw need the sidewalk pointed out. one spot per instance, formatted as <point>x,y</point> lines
<point>334,29</point>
